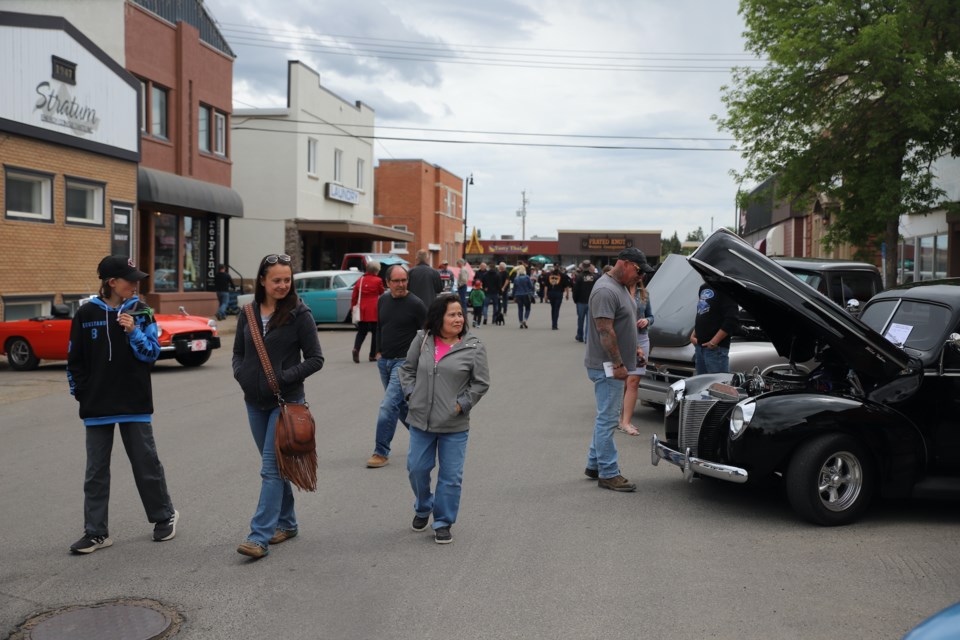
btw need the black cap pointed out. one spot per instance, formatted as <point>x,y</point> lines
<point>635,256</point>
<point>119,267</point>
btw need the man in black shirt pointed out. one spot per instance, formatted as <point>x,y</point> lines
<point>582,286</point>
<point>717,320</point>
<point>425,282</point>
<point>400,315</point>
<point>223,283</point>
<point>558,283</point>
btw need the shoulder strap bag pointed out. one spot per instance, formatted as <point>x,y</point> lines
<point>295,440</point>
<point>355,311</point>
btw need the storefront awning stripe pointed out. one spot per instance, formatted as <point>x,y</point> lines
<point>166,189</point>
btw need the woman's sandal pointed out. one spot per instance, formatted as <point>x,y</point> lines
<point>630,430</point>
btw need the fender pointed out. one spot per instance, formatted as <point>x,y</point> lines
<point>784,420</point>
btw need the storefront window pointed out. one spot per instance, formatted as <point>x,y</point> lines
<point>165,252</point>
<point>940,259</point>
<point>193,254</point>
<point>926,258</point>
<point>907,257</point>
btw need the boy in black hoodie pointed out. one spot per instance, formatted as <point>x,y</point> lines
<point>113,345</point>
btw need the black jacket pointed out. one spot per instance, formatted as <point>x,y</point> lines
<point>425,283</point>
<point>109,369</point>
<point>284,346</point>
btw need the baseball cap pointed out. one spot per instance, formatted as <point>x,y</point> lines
<point>635,256</point>
<point>119,267</point>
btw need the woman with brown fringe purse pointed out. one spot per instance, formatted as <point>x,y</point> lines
<point>286,329</point>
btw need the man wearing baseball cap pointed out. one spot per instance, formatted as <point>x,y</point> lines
<point>611,344</point>
<point>113,345</point>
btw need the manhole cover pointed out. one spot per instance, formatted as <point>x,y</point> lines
<point>119,620</point>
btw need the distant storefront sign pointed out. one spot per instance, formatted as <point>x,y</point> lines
<point>605,243</point>
<point>508,248</point>
<point>343,194</point>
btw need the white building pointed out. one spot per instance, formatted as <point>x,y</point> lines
<point>305,173</point>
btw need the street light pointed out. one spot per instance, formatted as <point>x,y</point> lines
<point>466,201</point>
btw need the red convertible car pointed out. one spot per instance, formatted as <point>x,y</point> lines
<point>189,339</point>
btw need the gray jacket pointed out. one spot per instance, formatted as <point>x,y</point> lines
<point>434,389</point>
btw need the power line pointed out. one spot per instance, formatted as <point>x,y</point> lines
<point>485,142</point>
<point>243,119</point>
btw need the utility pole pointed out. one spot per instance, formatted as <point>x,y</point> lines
<point>522,214</point>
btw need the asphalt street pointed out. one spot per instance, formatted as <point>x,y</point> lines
<point>539,551</point>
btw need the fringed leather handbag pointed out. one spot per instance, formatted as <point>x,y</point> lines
<point>295,440</point>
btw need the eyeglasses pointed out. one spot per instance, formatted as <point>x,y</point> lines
<point>274,258</point>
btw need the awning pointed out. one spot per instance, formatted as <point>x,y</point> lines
<point>355,229</point>
<point>175,192</point>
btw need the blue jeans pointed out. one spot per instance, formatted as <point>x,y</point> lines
<point>609,396</point>
<point>393,407</point>
<point>275,509</point>
<point>523,306</point>
<point>426,448</point>
<point>556,299</point>
<point>462,293</point>
<point>493,300</point>
<point>583,311</point>
<point>223,297</point>
<point>712,360</point>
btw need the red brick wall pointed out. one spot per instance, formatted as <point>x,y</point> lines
<point>195,73</point>
<point>43,259</point>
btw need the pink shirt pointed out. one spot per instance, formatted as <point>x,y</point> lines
<point>442,349</point>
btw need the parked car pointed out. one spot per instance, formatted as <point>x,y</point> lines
<point>943,625</point>
<point>877,416</point>
<point>359,261</point>
<point>188,339</point>
<point>673,291</point>
<point>327,293</point>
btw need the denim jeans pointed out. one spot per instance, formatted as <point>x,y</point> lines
<point>275,509</point>
<point>462,293</point>
<point>491,300</point>
<point>556,299</point>
<point>223,297</point>
<point>583,312</point>
<point>523,307</point>
<point>609,396</point>
<point>393,407</point>
<point>427,448</point>
<point>712,360</point>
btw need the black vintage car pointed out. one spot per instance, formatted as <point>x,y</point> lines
<point>879,415</point>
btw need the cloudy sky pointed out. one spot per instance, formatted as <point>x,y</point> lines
<point>548,81</point>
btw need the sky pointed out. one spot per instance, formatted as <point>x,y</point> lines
<point>529,76</point>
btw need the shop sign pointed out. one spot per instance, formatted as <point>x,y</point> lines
<point>73,93</point>
<point>343,194</point>
<point>211,257</point>
<point>508,248</point>
<point>605,243</point>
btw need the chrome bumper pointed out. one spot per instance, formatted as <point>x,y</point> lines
<point>692,465</point>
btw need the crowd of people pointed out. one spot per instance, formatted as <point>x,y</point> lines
<point>432,365</point>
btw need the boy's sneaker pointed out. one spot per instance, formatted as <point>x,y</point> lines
<point>420,523</point>
<point>89,544</point>
<point>166,529</point>
<point>442,535</point>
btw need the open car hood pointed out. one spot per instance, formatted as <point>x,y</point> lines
<point>673,292</point>
<point>792,314</point>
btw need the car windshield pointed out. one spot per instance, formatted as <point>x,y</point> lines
<point>345,280</point>
<point>908,323</point>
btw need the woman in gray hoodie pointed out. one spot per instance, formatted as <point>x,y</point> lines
<point>443,378</point>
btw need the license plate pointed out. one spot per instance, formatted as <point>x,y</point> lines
<point>198,345</point>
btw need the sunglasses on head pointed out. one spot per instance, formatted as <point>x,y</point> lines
<point>274,258</point>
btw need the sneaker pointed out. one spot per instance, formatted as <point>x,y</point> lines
<point>420,523</point>
<point>617,483</point>
<point>282,535</point>
<point>442,535</point>
<point>593,474</point>
<point>253,550</point>
<point>89,544</point>
<point>376,461</point>
<point>167,529</point>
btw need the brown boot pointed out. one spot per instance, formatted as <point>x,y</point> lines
<point>616,483</point>
<point>356,355</point>
<point>376,461</point>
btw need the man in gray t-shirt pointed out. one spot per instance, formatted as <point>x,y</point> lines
<point>612,338</point>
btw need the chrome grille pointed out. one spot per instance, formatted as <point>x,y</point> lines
<point>699,417</point>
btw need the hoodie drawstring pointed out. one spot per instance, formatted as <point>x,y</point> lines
<point>109,342</point>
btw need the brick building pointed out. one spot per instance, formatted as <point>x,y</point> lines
<point>70,146</point>
<point>424,199</point>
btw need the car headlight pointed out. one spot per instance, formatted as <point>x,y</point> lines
<point>674,396</point>
<point>740,418</point>
<point>213,325</point>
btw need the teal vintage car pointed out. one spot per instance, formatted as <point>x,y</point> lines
<point>327,293</point>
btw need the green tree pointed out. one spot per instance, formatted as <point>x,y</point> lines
<point>855,101</point>
<point>668,246</point>
<point>696,236</point>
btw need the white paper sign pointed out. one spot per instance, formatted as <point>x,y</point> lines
<point>898,333</point>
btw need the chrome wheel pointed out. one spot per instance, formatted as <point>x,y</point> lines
<point>841,479</point>
<point>20,355</point>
